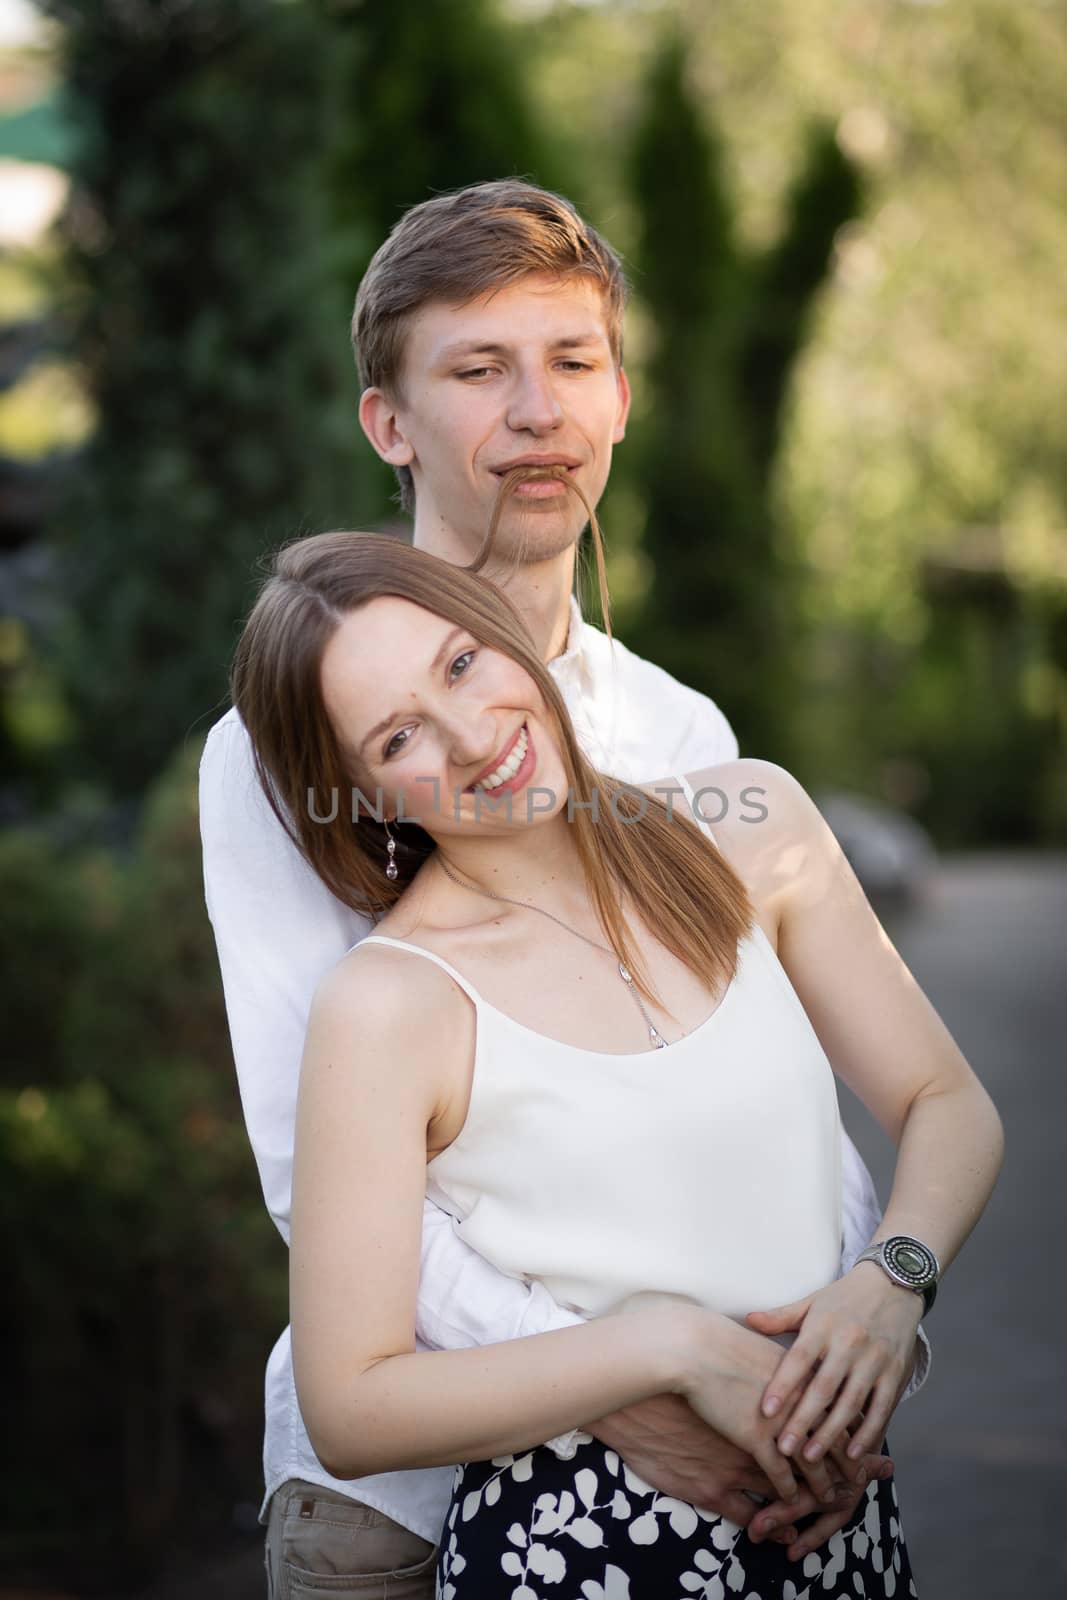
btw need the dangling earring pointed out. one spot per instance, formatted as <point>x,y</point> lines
<point>392,871</point>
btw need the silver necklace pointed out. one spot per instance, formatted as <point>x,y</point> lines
<point>655,1037</point>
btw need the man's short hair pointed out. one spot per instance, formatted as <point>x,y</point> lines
<point>457,247</point>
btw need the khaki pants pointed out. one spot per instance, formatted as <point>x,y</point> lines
<point>321,1543</point>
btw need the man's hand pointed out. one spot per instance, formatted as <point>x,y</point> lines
<point>666,1444</point>
<point>778,1520</point>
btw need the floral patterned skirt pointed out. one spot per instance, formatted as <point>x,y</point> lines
<point>533,1527</point>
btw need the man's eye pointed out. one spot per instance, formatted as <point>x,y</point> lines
<point>467,656</point>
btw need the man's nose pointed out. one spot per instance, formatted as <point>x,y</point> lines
<point>534,406</point>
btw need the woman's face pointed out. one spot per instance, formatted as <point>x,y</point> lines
<point>455,735</point>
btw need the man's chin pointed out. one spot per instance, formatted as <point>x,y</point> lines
<point>530,539</point>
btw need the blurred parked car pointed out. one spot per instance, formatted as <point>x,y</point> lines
<point>890,853</point>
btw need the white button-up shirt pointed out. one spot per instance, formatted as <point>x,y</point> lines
<point>279,931</point>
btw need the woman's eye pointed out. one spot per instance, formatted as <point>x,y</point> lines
<point>459,666</point>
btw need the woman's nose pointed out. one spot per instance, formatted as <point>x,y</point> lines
<point>474,739</point>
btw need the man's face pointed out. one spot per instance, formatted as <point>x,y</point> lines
<point>524,374</point>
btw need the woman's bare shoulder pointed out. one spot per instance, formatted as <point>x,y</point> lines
<point>748,794</point>
<point>766,824</point>
<point>390,993</point>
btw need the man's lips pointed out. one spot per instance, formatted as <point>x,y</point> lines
<point>534,464</point>
<point>543,480</point>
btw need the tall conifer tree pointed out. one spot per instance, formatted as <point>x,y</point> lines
<point>727,327</point>
<point>213,344</point>
<point>429,95</point>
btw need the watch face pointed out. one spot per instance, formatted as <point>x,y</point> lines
<point>912,1260</point>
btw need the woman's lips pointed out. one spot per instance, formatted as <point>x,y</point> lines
<point>522,774</point>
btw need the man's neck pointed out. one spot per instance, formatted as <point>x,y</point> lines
<point>540,591</point>
<point>542,596</point>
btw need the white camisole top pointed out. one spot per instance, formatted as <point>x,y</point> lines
<point>709,1169</point>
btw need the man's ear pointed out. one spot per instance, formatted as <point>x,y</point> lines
<point>380,421</point>
<point>623,383</point>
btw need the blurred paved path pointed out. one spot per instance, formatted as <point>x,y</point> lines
<point>981,1454</point>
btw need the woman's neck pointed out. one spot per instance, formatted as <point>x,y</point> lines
<point>539,866</point>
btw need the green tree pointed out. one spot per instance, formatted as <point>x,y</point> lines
<point>727,327</point>
<point>211,340</point>
<point>429,95</point>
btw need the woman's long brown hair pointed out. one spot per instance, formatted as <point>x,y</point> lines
<point>677,881</point>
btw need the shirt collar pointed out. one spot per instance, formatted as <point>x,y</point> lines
<point>572,659</point>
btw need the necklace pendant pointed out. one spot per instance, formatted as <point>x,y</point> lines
<point>657,1038</point>
<point>625,974</point>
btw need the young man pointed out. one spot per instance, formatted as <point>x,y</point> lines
<point>488,335</point>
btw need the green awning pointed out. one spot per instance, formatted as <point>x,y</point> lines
<point>40,132</point>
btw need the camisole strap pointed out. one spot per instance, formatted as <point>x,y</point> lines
<point>702,824</point>
<point>439,961</point>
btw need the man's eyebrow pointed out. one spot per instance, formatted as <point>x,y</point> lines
<point>380,727</point>
<point>471,347</point>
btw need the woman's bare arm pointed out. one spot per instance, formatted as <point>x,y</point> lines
<point>886,1041</point>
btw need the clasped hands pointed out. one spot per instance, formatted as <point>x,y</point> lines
<point>818,1410</point>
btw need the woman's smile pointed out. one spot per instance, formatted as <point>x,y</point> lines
<point>514,770</point>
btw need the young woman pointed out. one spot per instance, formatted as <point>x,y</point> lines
<point>604,1040</point>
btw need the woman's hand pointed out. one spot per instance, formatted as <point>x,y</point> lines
<point>727,1371</point>
<point>852,1356</point>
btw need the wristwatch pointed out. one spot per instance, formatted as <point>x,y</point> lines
<point>908,1262</point>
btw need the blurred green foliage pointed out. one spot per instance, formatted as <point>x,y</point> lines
<point>728,326</point>
<point>213,344</point>
<point>429,95</point>
<point>148,1279</point>
<point>925,410</point>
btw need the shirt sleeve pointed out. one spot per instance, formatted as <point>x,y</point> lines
<point>278,931</point>
<point>696,730</point>
<point>465,1301</point>
<point>709,738</point>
